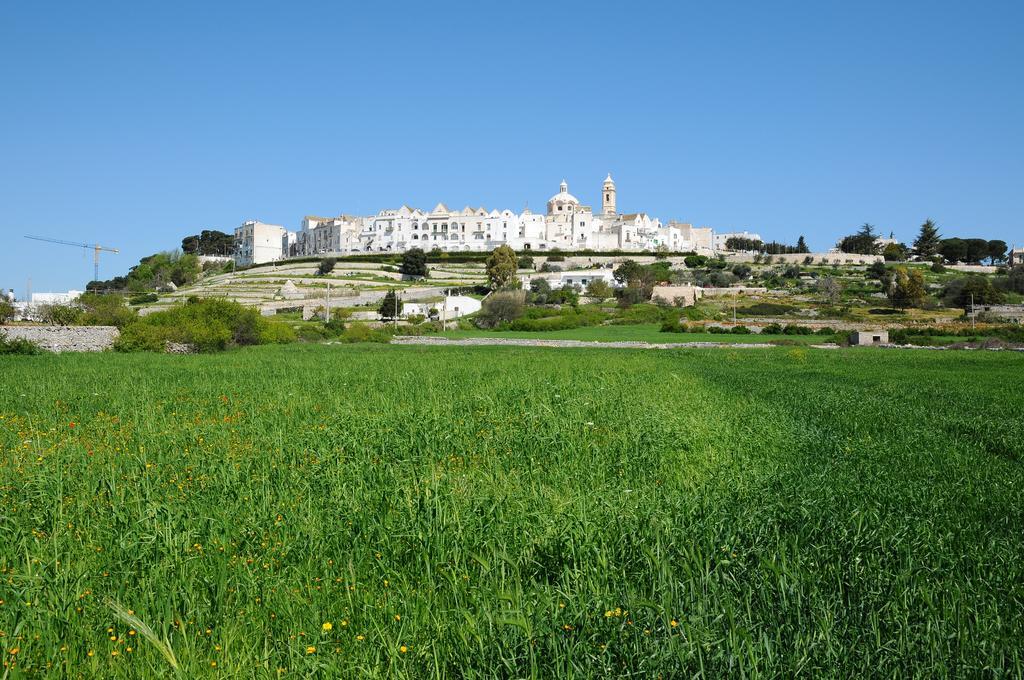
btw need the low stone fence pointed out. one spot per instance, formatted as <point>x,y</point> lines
<point>65,338</point>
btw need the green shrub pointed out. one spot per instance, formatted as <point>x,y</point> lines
<point>208,325</point>
<point>61,315</point>
<point>740,330</point>
<point>361,332</point>
<point>141,337</point>
<point>772,329</point>
<point>6,311</point>
<point>143,298</point>
<point>19,346</point>
<point>275,333</point>
<point>673,326</point>
<point>717,330</point>
<point>793,329</point>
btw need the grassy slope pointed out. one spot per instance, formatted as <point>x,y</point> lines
<point>504,511</point>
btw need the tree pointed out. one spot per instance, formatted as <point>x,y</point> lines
<point>908,288</point>
<point>599,288</point>
<point>996,251</point>
<point>6,311</point>
<point>326,266</point>
<point>190,244</point>
<point>801,245</point>
<point>391,306</point>
<point>977,289</point>
<point>864,242</point>
<point>526,262</point>
<point>629,270</point>
<point>740,243</point>
<point>977,250</point>
<point>1015,278</point>
<point>540,289</point>
<point>928,240</point>
<point>208,242</point>
<point>830,289</point>
<point>742,271</point>
<point>414,263</point>
<point>953,249</point>
<point>500,307</point>
<point>895,252</point>
<point>501,267</point>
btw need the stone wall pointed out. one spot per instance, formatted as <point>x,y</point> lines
<point>65,338</point>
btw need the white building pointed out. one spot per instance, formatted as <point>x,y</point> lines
<point>721,239</point>
<point>257,242</point>
<point>451,307</point>
<point>581,278</point>
<point>567,225</point>
<point>55,298</point>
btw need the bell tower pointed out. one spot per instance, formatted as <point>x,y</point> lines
<point>608,196</point>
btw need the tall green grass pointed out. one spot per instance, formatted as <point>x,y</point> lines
<point>482,512</point>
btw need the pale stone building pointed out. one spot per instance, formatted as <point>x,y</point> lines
<point>257,242</point>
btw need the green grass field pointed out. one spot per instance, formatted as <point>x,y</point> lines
<point>634,333</point>
<point>360,510</point>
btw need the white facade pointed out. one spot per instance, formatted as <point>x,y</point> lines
<point>580,278</point>
<point>451,307</point>
<point>55,298</point>
<point>721,239</point>
<point>257,243</point>
<point>567,225</point>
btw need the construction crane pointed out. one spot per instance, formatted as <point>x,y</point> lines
<point>95,247</point>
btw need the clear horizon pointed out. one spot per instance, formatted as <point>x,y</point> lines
<point>135,126</point>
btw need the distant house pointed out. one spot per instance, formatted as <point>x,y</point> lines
<point>869,337</point>
<point>1003,313</point>
<point>1016,256</point>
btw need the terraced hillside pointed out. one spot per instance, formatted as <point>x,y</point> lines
<point>297,284</point>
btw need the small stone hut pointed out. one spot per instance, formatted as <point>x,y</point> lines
<point>880,337</point>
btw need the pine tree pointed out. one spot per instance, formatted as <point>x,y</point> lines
<point>928,240</point>
<point>801,245</point>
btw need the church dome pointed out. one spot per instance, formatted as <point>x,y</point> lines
<point>562,198</point>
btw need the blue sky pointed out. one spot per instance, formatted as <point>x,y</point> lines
<point>136,123</point>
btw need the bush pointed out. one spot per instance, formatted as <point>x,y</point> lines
<point>694,261</point>
<point>361,332</point>
<point>501,307</point>
<point>548,267</point>
<point>141,337</point>
<point>143,298</point>
<point>275,333</point>
<point>740,330</point>
<point>526,262</point>
<point>208,325</point>
<point>825,330</point>
<point>106,310</point>
<point>555,258</point>
<point>717,330</point>
<point>673,325</point>
<point>19,346</point>
<point>793,329</point>
<point>326,266</point>
<point>598,288</point>
<point>772,329</point>
<point>6,311</point>
<point>61,315</point>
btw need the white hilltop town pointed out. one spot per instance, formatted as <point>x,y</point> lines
<point>567,225</point>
